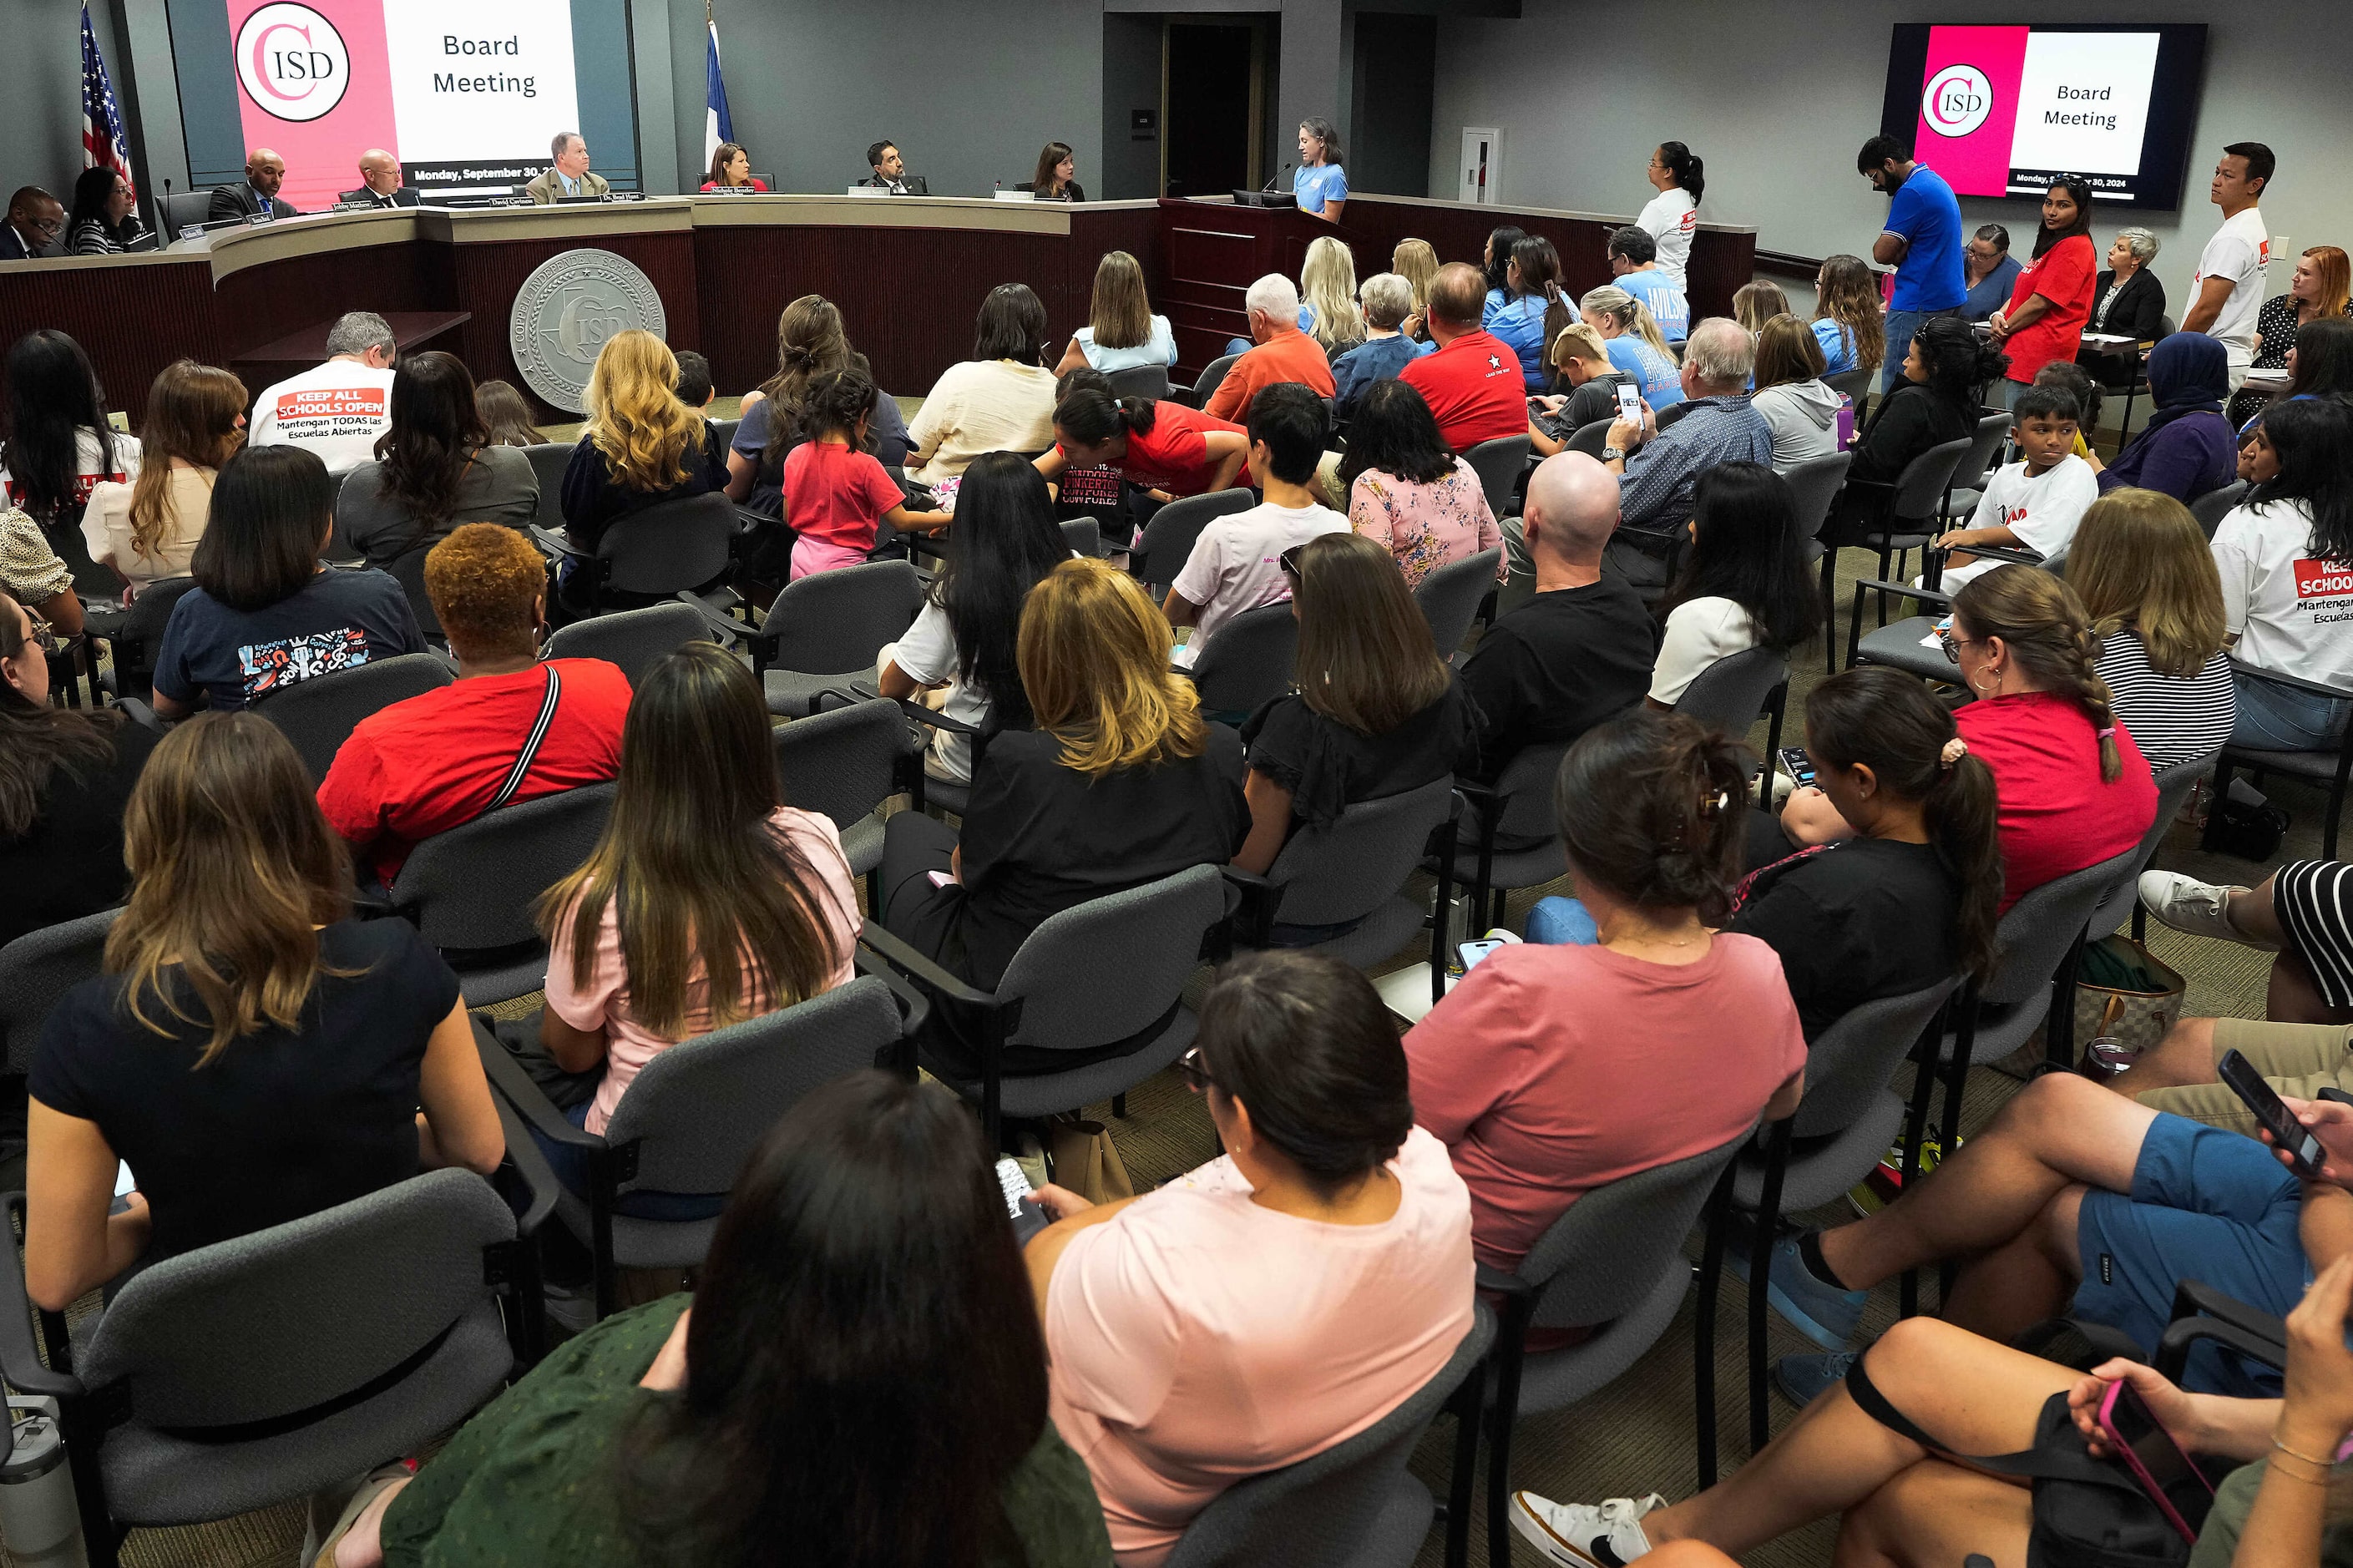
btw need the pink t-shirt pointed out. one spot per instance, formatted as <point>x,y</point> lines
<point>1551,1070</point>
<point>1425,526</point>
<point>604,1002</point>
<point>1235,565</point>
<point>1199,1339</point>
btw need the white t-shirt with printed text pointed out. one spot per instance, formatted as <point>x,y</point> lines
<point>336,410</point>
<point>1671,217</point>
<point>2291,610</point>
<point>2043,511</point>
<point>1235,565</point>
<point>2241,250</point>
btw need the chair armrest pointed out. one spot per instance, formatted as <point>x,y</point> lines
<point>556,544</point>
<point>2173,1346</point>
<point>20,1354</point>
<point>2016,554</point>
<point>924,543</point>
<point>848,696</point>
<point>532,1170</point>
<point>2192,1297</point>
<point>937,719</point>
<point>2294,683</point>
<point>1503,1284</point>
<point>514,1086</point>
<point>914,1007</point>
<point>727,629</point>
<point>140,714</point>
<point>1259,898</point>
<point>1927,596</point>
<point>915,965</point>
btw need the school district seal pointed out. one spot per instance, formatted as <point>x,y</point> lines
<point>563,313</point>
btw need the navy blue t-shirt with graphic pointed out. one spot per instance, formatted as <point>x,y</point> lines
<point>336,621</point>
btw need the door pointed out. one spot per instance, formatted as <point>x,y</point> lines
<point>1212,102</point>
<point>1480,165</point>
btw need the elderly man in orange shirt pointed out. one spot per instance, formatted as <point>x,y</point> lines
<point>1283,352</point>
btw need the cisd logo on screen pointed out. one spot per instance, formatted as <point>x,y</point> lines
<point>1956,100</point>
<point>292,62</point>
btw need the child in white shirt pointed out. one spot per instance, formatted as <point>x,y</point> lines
<point>2036,502</point>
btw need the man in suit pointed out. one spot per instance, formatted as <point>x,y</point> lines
<point>569,175</point>
<point>35,220</point>
<point>890,172</point>
<point>265,170</point>
<point>380,182</point>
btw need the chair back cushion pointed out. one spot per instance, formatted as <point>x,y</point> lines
<point>843,762</point>
<point>2211,508</point>
<point>474,886</point>
<point>1731,693</point>
<point>1168,541</point>
<point>1450,595</point>
<point>671,547</point>
<point>1920,489</point>
<point>632,639</point>
<point>1525,789</point>
<point>1250,660</point>
<point>1140,381</point>
<point>835,623</point>
<point>1815,484</point>
<point>2034,937</point>
<point>1498,463</point>
<point>36,972</point>
<point>1084,535</point>
<point>291,1318</point>
<point>1110,968</point>
<point>320,714</point>
<point>697,1110</point>
<point>548,461</point>
<point>1847,1066</point>
<point>1638,1223</point>
<point>1346,870</point>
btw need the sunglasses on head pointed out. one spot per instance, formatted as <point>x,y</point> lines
<point>1288,560</point>
<point>1195,1075</point>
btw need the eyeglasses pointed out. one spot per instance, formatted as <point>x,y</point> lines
<point>49,225</point>
<point>40,634</point>
<point>1190,1068</point>
<point>1953,644</point>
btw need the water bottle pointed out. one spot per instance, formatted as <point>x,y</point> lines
<point>39,1521</point>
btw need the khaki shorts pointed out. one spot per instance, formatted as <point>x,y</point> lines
<point>2299,1060</point>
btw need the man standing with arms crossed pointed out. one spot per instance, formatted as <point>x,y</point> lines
<point>2227,290</point>
<point>1922,241</point>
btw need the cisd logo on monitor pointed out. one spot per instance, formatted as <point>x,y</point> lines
<point>292,62</point>
<point>1956,101</point>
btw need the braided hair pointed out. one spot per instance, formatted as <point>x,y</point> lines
<point>1651,806</point>
<point>2049,632</point>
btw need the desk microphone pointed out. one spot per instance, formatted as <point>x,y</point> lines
<point>1276,175</point>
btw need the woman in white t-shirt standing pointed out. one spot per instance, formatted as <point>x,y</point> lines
<point>1745,583</point>
<point>1671,216</point>
<point>964,643</point>
<point>59,444</point>
<point>2287,561</point>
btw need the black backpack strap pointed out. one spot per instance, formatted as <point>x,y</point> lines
<point>2059,1453</point>
<point>530,742</point>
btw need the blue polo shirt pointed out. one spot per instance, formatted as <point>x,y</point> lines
<point>1314,187</point>
<point>1930,277</point>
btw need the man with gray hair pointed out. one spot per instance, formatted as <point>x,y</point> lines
<point>1385,300</point>
<point>1284,353</point>
<point>1658,469</point>
<point>568,177</point>
<point>339,408</point>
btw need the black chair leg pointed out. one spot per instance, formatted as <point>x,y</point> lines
<point>1119,1105</point>
<point>1830,608</point>
<point>1957,1080</point>
<point>1711,1275</point>
<point>2220,785</point>
<point>1461,1490</point>
<point>1760,1280</point>
<point>1509,1351</point>
<point>2059,1022</point>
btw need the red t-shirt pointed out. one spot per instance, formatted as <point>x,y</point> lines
<point>835,495</point>
<point>1474,387</point>
<point>2064,275</point>
<point>436,760</point>
<point>1552,1070</point>
<point>1175,456</point>
<point>2056,814</point>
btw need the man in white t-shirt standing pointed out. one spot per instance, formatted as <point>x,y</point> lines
<point>2228,287</point>
<point>1235,565</point>
<point>338,409</point>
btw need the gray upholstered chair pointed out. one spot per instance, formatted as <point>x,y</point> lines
<point>632,639</point>
<point>320,714</point>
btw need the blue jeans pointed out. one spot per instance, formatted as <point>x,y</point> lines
<point>2277,718</point>
<point>1556,921</point>
<point>1900,326</point>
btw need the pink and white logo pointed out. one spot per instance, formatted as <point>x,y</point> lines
<point>1956,100</point>
<point>291,62</point>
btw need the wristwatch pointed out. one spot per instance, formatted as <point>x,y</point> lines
<point>1612,454</point>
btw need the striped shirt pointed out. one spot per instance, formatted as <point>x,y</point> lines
<point>2173,718</point>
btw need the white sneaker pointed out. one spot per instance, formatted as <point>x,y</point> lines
<point>1580,1535</point>
<point>2201,908</point>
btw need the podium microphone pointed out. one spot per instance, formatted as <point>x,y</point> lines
<point>1276,175</point>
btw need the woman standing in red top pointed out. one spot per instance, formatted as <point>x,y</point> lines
<point>1168,448</point>
<point>2053,296</point>
<point>2073,789</point>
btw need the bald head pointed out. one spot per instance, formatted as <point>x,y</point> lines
<point>1456,297</point>
<point>380,170</point>
<point>265,170</point>
<point>1571,510</point>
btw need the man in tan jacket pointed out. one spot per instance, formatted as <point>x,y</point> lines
<point>569,175</point>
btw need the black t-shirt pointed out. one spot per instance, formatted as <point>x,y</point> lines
<point>281,1124</point>
<point>1864,920</point>
<point>336,621</point>
<point>1555,668</point>
<point>1595,399</point>
<point>71,864</point>
<point>1039,837</point>
<point>1329,767</point>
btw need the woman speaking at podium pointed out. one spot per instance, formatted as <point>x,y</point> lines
<point>1318,182</point>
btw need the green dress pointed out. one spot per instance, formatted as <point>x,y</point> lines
<point>527,1483</point>
<point>2233,1501</point>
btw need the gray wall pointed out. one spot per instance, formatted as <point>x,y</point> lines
<point>1777,94</point>
<point>40,96</point>
<point>1130,168</point>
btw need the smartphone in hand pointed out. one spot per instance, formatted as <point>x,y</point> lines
<point>2304,1152</point>
<point>2150,1453</point>
<point>1629,402</point>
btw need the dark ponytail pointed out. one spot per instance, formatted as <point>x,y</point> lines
<point>1094,417</point>
<point>1653,807</point>
<point>1877,717</point>
<point>2049,633</point>
<point>1686,166</point>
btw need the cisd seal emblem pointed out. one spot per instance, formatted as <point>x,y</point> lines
<point>563,313</point>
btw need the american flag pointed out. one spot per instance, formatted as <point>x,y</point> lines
<point>102,117</point>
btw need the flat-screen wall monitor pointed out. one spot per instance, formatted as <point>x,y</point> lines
<point>2002,111</point>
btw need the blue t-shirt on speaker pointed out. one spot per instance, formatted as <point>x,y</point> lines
<point>1926,213</point>
<point>1666,304</point>
<point>1316,187</point>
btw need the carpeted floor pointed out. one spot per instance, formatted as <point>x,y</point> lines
<point>1636,1436</point>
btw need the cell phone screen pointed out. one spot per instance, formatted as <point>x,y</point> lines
<point>1472,951</point>
<point>1798,765</point>
<point>2129,1422</point>
<point>1630,401</point>
<point>2303,1149</point>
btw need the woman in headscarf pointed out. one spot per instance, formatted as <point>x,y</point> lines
<point>2185,449</point>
